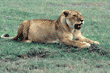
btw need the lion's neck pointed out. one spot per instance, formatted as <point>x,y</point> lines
<point>64,24</point>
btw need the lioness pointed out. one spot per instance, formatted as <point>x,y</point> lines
<point>66,29</point>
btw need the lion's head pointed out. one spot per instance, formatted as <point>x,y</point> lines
<point>74,19</point>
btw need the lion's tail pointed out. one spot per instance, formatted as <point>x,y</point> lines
<point>6,36</point>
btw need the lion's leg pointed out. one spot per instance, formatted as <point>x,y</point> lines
<point>25,34</point>
<point>82,38</point>
<point>23,31</point>
<point>66,38</point>
<point>76,43</point>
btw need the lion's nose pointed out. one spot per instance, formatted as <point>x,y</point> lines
<point>81,20</point>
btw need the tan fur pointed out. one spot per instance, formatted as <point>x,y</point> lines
<point>65,29</point>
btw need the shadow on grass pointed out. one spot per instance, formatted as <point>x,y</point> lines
<point>99,50</point>
<point>44,53</point>
<point>93,48</point>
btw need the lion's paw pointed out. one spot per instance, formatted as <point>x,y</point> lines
<point>87,45</point>
<point>95,42</point>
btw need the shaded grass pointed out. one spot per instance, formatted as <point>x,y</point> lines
<point>38,57</point>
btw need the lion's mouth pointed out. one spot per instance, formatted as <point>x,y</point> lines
<point>77,26</point>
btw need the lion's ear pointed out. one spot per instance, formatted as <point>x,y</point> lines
<point>65,12</point>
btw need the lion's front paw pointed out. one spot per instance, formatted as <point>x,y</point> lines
<point>95,42</point>
<point>87,45</point>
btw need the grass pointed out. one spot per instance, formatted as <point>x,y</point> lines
<point>53,58</point>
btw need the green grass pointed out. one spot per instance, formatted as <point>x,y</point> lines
<point>53,58</point>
